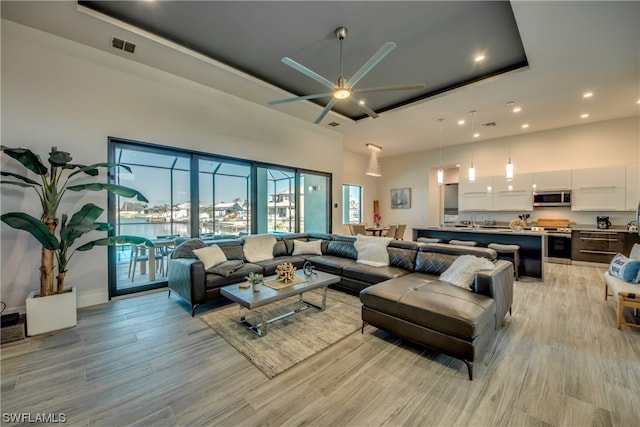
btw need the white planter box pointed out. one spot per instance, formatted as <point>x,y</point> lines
<point>51,313</point>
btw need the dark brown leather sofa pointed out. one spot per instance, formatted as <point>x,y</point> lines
<point>424,309</point>
<point>406,297</point>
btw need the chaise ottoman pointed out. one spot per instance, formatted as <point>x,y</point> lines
<point>433,313</point>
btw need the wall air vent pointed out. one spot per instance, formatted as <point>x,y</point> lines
<point>123,45</point>
<point>334,124</point>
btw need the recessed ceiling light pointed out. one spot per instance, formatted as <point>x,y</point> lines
<point>361,102</point>
<point>479,57</point>
<point>517,109</point>
<point>461,122</point>
<point>587,94</point>
<point>584,116</point>
<point>638,101</point>
<point>476,135</point>
<point>525,126</point>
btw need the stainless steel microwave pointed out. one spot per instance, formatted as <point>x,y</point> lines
<point>552,198</point>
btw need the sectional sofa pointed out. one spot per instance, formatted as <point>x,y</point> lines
<point>405,297</point>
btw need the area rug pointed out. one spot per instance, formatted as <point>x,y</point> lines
<point>291,340</point>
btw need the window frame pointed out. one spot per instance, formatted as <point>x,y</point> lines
<point>195,156</point>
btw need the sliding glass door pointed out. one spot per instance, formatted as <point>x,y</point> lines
<point>163,176</point>
<point>224,205</point>
<point>202,195</point>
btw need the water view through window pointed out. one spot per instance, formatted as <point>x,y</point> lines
<point>197,195</point>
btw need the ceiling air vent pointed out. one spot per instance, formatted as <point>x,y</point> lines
<point>334,124</point>
<point>490,124</point>
<point>123,45</point>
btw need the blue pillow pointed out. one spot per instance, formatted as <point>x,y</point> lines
<point>625,268</point>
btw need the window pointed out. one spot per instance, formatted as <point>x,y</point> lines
<point>315,205</point>
<point>163,176</point>
<point>202,195</point>
<point>276,202</point>
<point>224,209</point>
<point>351,204</point>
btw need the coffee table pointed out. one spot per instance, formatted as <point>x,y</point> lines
<point>248,299</point>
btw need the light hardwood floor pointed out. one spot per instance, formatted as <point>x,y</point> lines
<point>143,361</point>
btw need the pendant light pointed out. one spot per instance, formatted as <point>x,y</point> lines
<point>509,167</point>
<point>472,169</point>
<point>374,164</point>
<point>440,170</point>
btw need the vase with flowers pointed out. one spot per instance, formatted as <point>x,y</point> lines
<point>376,219</point>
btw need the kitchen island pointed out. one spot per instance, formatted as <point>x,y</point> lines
<point>532,243</point>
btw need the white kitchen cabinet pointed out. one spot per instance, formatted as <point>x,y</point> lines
<point>476,196</point>
<point>514,195</point>
<point>598,189</point>
<point>632,187</point>
<point>552,180</point>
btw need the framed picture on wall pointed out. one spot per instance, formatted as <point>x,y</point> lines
<point>401,198</point>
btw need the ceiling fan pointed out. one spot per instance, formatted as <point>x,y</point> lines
<point>343,88</point>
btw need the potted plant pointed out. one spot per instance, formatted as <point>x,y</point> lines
<point>256,280</point>
<point>55,181</point>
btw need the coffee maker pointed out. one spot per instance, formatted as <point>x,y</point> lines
<point>603,222</point>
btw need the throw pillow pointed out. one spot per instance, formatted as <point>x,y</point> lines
<point>185,249</point>
<point>625,268</point>
<point>312,247</point>
<point>226,268</point>
<point>463,270</point>
<point>372,250</point>
<point>635,251</point>
<point>210,256</point>
<point>259,247</point>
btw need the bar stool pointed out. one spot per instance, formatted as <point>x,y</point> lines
<point>463,242</point>
<point>512,250</point>
<point>428,240</point>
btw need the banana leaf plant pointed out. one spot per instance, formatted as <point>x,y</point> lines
<point>55,181</point>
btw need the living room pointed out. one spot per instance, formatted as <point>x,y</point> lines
<point>57,91</point>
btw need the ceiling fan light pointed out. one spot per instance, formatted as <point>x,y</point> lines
<point>341,93</point>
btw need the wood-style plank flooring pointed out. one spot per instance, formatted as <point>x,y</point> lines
<point>143,361</point>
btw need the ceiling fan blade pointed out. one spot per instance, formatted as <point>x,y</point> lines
<point>307,72</point>
<point>364,108</point>
<point>298,98</point>
<point>390,88</point>
<point>372,62</point>
<point>326,110</point>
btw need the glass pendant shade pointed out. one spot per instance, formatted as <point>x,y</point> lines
<point>440,176</point>
<point>472,173</point>
<point>374,164</point>
<point>509,171</point>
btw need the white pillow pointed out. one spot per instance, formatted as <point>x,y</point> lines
<point>635,251</point>
<point>210,256</point>
<point>372,250</point>
<point>259,247</point>
<point>463,270</point>
<point>312,247</point>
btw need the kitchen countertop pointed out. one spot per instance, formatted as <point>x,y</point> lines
<point>489,230</point>
<point>613,229</point>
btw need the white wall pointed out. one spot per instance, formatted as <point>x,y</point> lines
<point>609,143</point>
<point>59,93</point>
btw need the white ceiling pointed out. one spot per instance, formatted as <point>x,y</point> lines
<point>572,47</point>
